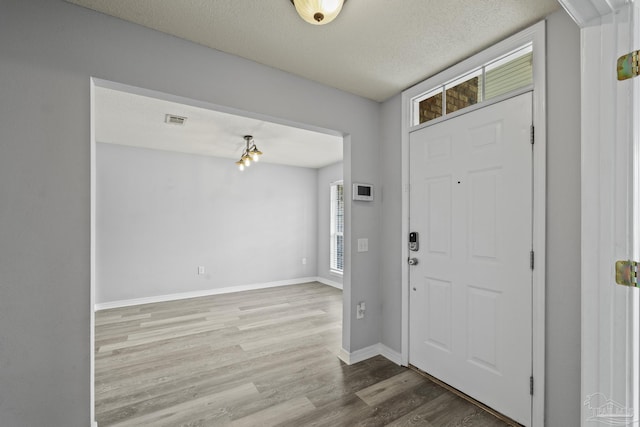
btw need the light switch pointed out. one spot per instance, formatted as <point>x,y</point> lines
<point>363,245</point>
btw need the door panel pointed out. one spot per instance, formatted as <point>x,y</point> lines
<point>485,191</point>
<point>438,195</point>
<point>438,303</point>
<point>471,203</point>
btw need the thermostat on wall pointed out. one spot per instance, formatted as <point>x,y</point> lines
<point>363,192</point>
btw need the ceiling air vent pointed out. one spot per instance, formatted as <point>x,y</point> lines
<point>172,119</point>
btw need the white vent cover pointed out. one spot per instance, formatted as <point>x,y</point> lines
<point>174,120</point>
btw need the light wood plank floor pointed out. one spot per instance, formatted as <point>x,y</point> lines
<point>257,358</point>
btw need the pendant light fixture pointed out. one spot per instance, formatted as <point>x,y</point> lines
<point>249,154</point>
<point>318,12</point>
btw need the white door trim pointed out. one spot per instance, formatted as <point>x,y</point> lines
<point>609,216</point>
<point>588,12</point>
<point>92,282</point>
<point>536,35</point>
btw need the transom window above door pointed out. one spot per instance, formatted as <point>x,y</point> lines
<point>498,77</point>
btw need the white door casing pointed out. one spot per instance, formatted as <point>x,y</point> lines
<point>470,293</point>
<point>610,151</point>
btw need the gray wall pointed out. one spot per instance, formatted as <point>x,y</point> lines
<point>563,222</point>
<point>160,215</point>
<point>49,49</point>
<point>326,176</point>
<point>563,403</point>
<point>391,230</point>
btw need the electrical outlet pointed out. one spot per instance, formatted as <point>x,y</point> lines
<point>360,309</point>
<point>201,269</point>
<point>363,245</point>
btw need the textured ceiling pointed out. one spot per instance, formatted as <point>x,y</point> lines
<point>375,48</point>
<point>128,119</point>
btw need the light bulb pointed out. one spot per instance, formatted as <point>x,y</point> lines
<point>241,167</point>
<point>247,161</point>
<point>255,157</point>
<point>331,5</point>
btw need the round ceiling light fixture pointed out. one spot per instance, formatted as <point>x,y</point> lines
<point>318,12</point>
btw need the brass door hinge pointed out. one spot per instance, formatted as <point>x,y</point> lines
<point>629,65</point>
<point>627,273</point>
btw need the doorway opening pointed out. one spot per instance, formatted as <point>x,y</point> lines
<point>178,208</point>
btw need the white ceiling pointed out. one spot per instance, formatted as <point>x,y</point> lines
<point>129,119</point>
<point>375,48</point>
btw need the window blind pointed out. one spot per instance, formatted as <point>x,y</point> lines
<point>336,255</point>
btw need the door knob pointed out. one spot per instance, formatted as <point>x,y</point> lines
<point>413,261</point>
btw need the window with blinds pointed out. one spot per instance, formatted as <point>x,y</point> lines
<point>336,255</point>
<point>495,78</point>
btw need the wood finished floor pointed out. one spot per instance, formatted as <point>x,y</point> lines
<point>256,358</point>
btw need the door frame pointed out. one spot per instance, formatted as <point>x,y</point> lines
<point>536,35</point>
<point>610,194</point>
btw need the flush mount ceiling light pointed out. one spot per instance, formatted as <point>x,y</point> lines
<point>318,12</point>
<point>249,154</point>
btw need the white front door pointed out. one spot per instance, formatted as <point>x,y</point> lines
<point>470,292</point>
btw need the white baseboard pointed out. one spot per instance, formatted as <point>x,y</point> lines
<point>369,352</point>
<point>331,283</point>
<point>390,354</point>
<point>203,293</point>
